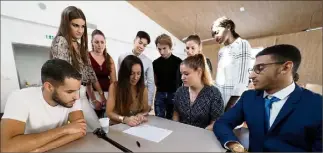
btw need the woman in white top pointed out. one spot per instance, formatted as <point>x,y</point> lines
<point>234,59</point>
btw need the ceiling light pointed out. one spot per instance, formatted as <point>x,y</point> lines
<point>318,28</point>
<point>241,9</point>
<point>42,6</point>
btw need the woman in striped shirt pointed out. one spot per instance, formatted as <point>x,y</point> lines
<point>234,59</point>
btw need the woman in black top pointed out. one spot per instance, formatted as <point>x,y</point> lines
<point>198,102</point>
<point>194,46</point>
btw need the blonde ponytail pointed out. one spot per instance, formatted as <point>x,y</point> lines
<point>199,61</point>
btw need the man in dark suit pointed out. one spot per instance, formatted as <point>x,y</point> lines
<point>281,116</point>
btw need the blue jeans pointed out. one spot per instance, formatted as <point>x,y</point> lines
<point>164,104</point>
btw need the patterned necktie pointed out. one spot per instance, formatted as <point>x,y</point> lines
<point>268,103</point>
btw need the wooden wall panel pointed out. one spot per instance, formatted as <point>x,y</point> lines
<point>211,52</point>
<point>262,42</point>
<point>309,43</point>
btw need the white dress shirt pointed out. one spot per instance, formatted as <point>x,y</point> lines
<point>148,74</point>
<point>277,106</point>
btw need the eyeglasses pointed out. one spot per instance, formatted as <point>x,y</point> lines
<point>260,67</point>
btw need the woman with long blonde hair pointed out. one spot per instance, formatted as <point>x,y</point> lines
<point>198,102</point>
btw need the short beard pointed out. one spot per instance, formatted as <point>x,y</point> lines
<point>58,100</point>
<point>273,82</point>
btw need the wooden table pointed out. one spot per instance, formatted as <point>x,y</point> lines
<point>184,138</point>
<point>89,143</point>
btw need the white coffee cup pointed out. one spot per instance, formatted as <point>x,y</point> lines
<point>104,122</point>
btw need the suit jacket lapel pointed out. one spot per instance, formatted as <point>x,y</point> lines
<point>259,110</point>
<point>288,107</point>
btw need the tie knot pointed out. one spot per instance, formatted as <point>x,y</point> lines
<point>270,101</point>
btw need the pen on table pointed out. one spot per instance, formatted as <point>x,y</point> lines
<point>138,144</point>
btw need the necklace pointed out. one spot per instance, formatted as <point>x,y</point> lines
<point>192,96</point>
<point>74,40</point>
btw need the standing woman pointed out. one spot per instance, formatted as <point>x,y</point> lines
<point>71,44</point>
<point>104,69</point>
<point>194,46</point>
<point>234,59</point>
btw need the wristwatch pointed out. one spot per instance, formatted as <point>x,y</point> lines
<point>121,118</point>
<point>238,148</point>
<point>94,101</point>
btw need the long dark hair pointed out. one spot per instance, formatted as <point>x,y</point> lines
<point>70,13</point>
<point>107,56</point>
<point>123,90</point>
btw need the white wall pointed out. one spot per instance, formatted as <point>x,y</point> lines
<point>24,22</point>
<point>29,60</point>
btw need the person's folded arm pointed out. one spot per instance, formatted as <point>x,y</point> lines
<point>13,124</point>
<point>13,138</point>
<point>73,117</point>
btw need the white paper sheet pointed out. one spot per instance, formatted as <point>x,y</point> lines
<point>149,132</point>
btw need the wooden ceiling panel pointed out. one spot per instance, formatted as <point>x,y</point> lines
<point>260,18</point>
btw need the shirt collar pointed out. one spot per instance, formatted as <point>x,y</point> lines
<point>134,54</point>
<point>238,40</point>
<point>282,94</point>
<point>235,42</point>
<point>171,55</point>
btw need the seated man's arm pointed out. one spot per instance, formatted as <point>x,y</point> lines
<point>13,138</point>
<point>223,127</point>
<point>13,123</point>
<point>77,118</point>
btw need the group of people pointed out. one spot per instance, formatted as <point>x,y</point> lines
<point>81,86</point>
